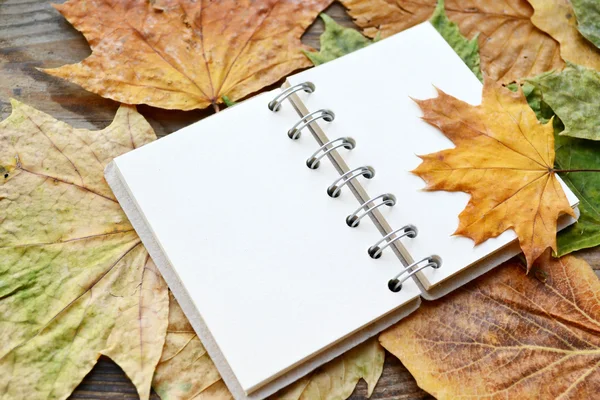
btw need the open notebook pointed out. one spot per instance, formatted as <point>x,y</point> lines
<point>259,254</point>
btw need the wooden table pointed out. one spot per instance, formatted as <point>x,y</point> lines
<point>33,34</point>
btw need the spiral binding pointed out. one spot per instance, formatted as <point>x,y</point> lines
<point>327,115</point>
<point>395,284</point>
<point>353,219</point>
<point>275,104</point>
<point>407,230</point>
<point>334,190</point>
<point>313,161</point>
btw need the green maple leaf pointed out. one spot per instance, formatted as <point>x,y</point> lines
<point>588,19</point>
<point>573,94</point>
<point>337,41</point>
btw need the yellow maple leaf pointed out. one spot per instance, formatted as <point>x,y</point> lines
<point>508,335</point>
<point>557,18</point>
<point>187,54</point>
<point>504,158</point>
<point>510,46</point>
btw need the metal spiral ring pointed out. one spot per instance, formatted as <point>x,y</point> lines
<point>275,104</point>
<point>334,190</point>
<point>313,161</point>
<point>353,219</point>
<point>327,115</point>
<point>395,284</point>
<point>407,230</point>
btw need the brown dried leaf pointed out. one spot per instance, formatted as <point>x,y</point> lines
<point>557,18</point>
<point>187,54</point>
<point>508,335</point>
<point>510,46</point>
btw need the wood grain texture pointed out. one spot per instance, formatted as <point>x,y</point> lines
<point>33,34</point>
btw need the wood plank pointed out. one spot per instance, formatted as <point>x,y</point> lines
<point>34,35</point>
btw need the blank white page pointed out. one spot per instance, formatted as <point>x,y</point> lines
<point>262,250</point>
<point>370,92</point>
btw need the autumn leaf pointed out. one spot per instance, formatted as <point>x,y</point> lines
<point>336,41</point>
<point>572,94</point>
<point>336,380</point>
<point>185,54</point>
<point>508,335</point>
<point>588,19</point>
<point>511,47</point>
<point>468,50</point>
<point>556,17</point>
<point>504,158</point>
<point>75,280</point>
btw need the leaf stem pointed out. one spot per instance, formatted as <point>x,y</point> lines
<point>576,170</point>
<point>216,107</point>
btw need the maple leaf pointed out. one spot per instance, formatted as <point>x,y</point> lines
<point>187,54</point>
<point>508,335</point>
<point>337,41</point>
<point>588,19</point>
<point>504,158</point>
<point>572,94</point>
<point>557,18</point>
<point>75,280</point>
<point>511,47</point>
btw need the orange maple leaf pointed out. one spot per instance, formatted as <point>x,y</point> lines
<point>185,54</point>
<point>504,158</point>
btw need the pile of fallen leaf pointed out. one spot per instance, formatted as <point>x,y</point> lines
<point>76,282</point>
